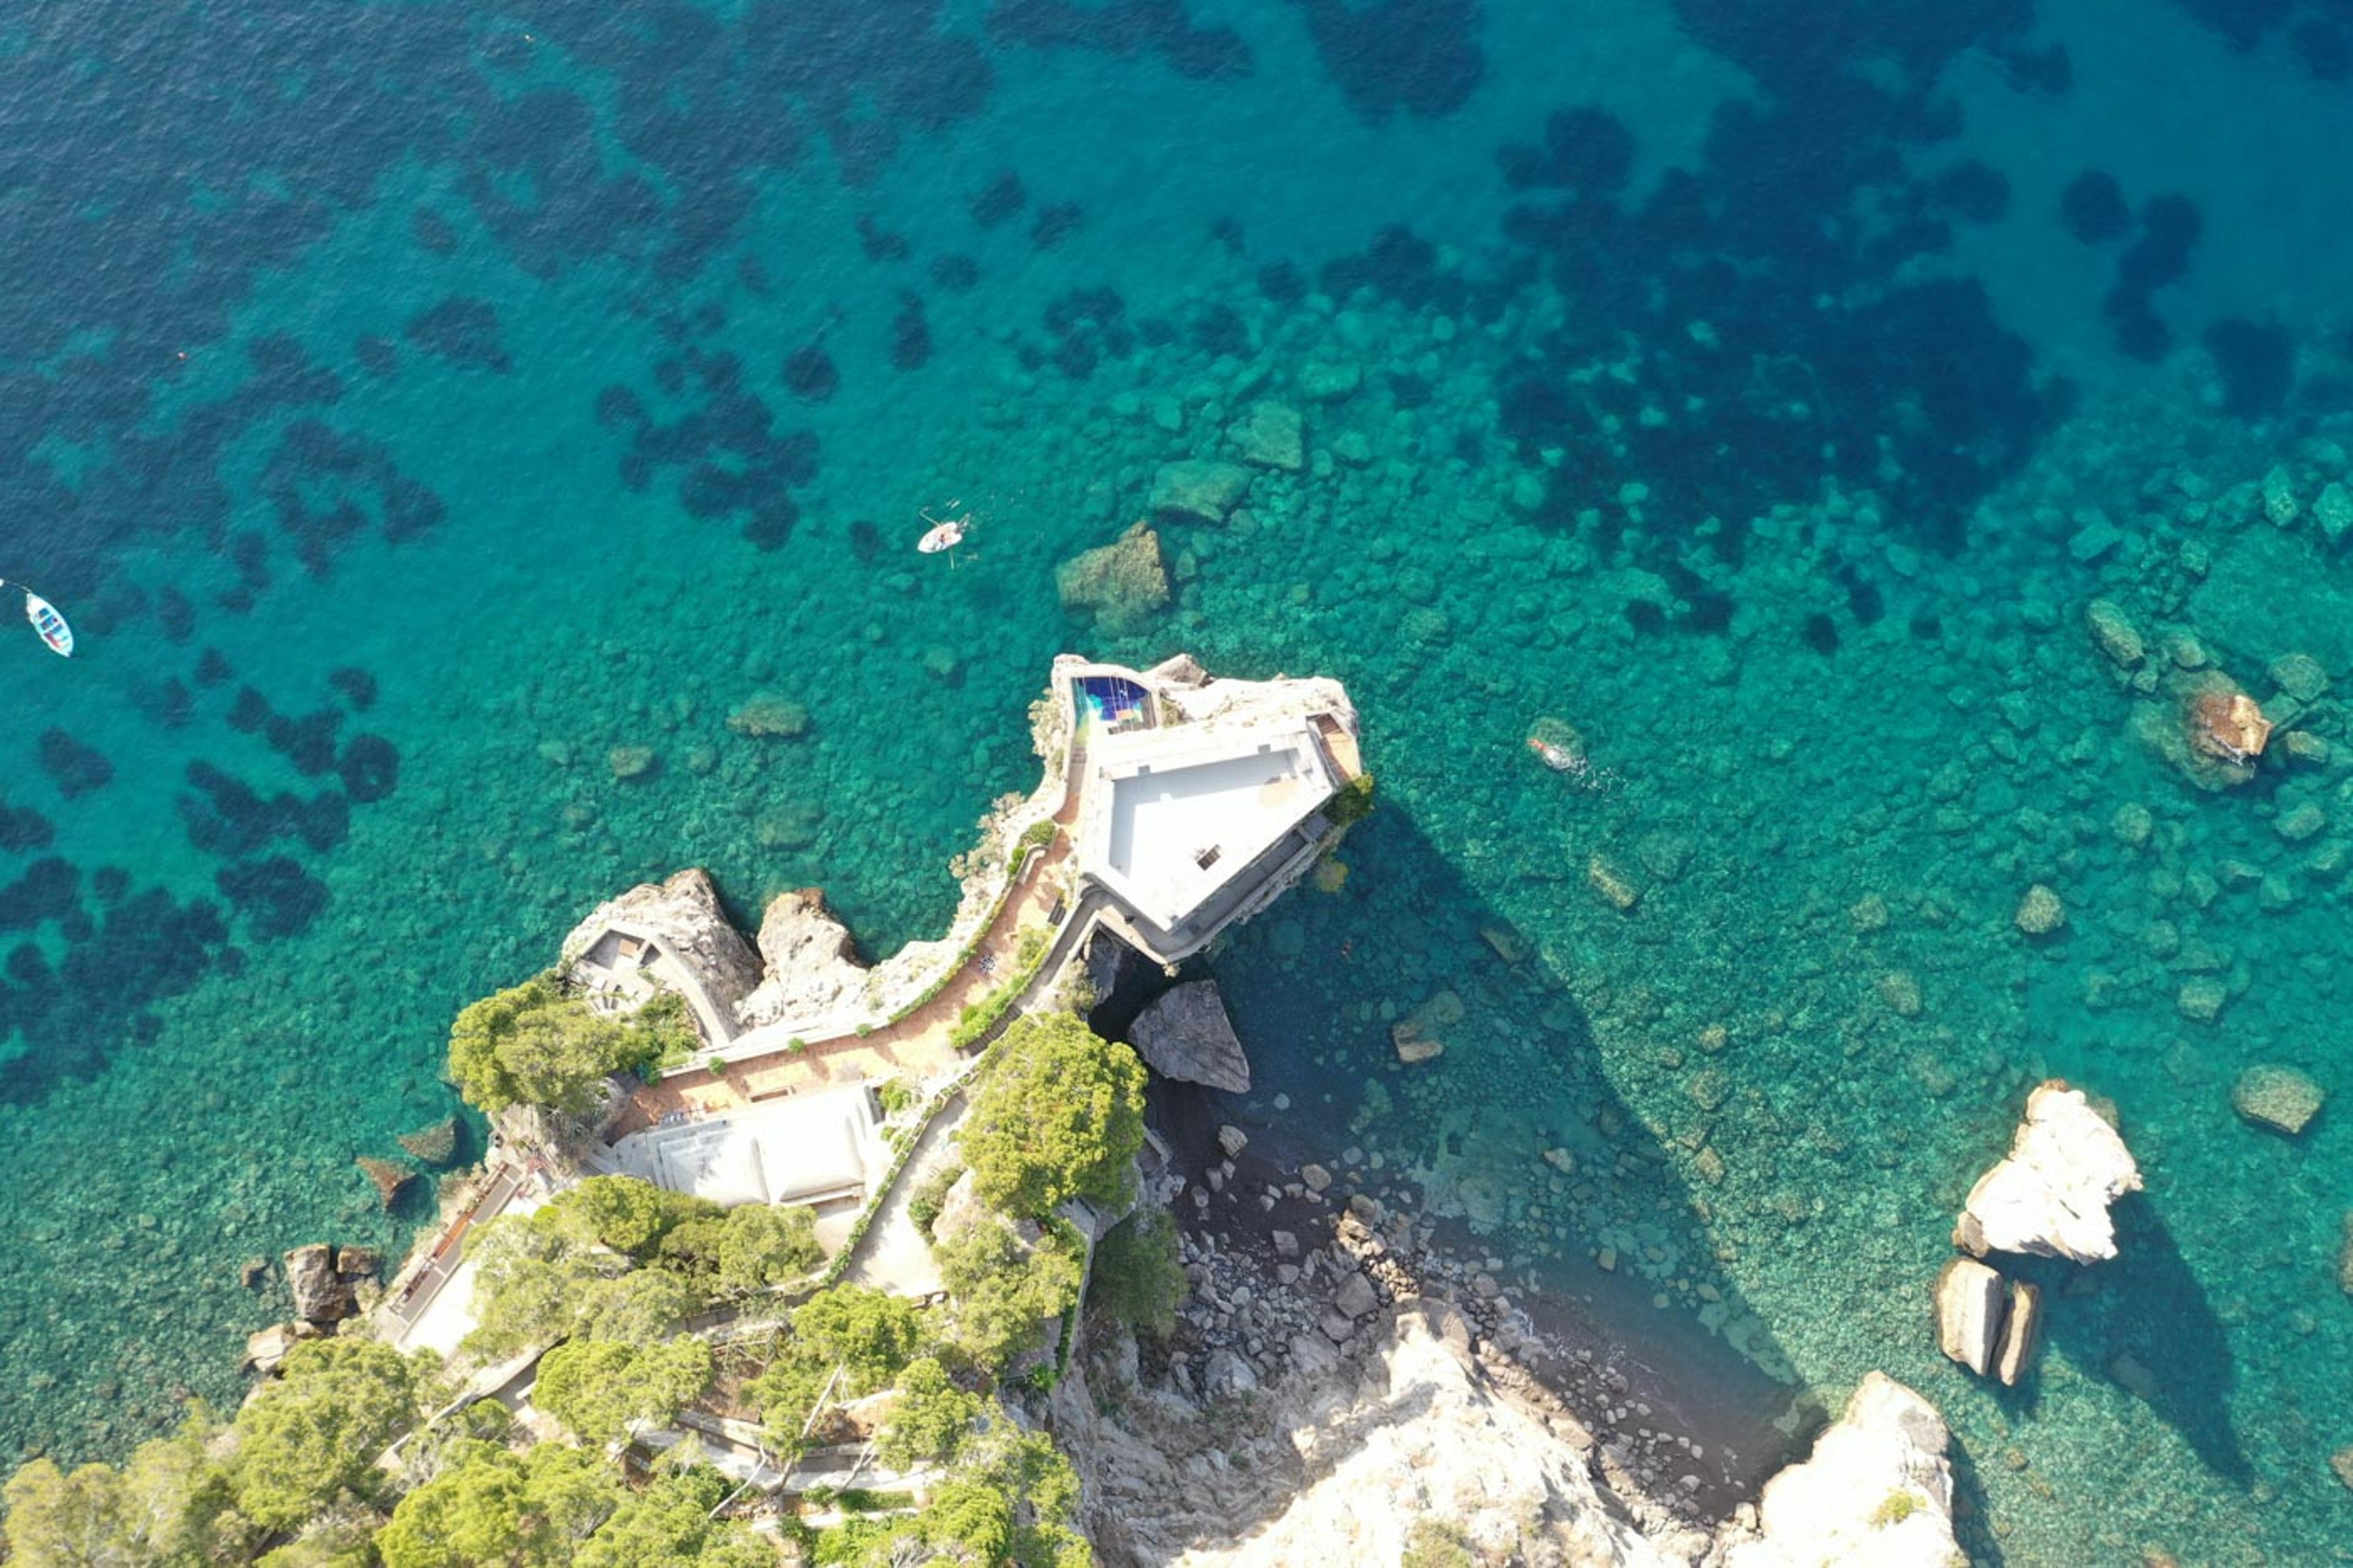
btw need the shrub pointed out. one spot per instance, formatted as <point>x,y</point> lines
<point>1137,1279</point>
<point>315,1433</point>
<point>1352,803</point>
<point>931,1419</point>
<point>1004,1294</point>
<point>600,1388</point>
<point>931,1196</point>
<point>1901,1504</point>
<point>1436,1544</point>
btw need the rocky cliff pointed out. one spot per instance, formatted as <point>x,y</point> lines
<point>1877,1490</point>
<point>1334,1461</point>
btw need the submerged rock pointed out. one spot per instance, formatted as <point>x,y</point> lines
<point>436,1144</point>
<point>2039,912</point>
<point>2114,634</point>
<point>1419,1036</point>
<point>389,1178</point>
<point>1270,436</point>
<point>1877,1490</point>
<point>2277,1096</point>
<point>1120,584</point>
<point>769,716</point>
<point>1199,487</point>
<point>2050,1195</point>
<point>1185,1035</point>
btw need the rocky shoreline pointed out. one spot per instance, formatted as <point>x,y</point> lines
<point>1338,1364</point>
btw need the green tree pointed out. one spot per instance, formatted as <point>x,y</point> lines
<point>969,1521</point>
<point>532,1285</point>
<point>929,1420</point>
<point>620,1213</point>
<point>1138,1279</point>
<point>641,1309</point>
<point>1059,1114</point>
<point>60,1519</point>
<point>753,1248</point>
<point>872,1333</point>
<point>1004,1292</point>
<point>533,1045</point>
<point>490,1504</point>
<point>669,1523</point>
<point>315,1433</point>
<point>599,1389</point>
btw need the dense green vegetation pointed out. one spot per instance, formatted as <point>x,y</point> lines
<point>1137,1279</point>
<point>1058,1114</point>
<point>492,1504</point>
<point>534,1044</point>
<point>604,1389</point>
<point>293,1481</point>
<point>603,1277</point>
<point>1005,1291</point>
<point>616,1258</point>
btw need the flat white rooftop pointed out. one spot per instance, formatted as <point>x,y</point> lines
<point>803,1149</point>
<point>1174,815</point>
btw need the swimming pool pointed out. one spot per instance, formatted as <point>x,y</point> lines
<point>1113,701</point>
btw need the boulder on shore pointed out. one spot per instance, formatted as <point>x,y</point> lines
<point>1185,1035</point>
<point>320,1294</point>
<point>2021,1333</point>
<point>2050,1195</point>
<point>1877,1488</point>
<point>266,1348</point>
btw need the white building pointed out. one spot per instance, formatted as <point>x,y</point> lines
<point>818,1149</point>
<point>1200,800</point>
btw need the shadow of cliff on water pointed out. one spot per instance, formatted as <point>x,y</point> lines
<point>1513,1142</point>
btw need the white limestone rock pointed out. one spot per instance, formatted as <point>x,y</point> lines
<point>811,961</point>
<point>2051,1195</point>
<point>1970,1302</point>
<point>1185,1035</point>
<point>1331,1462</point>
<point>1877,1490</point>
<point>682,913</point>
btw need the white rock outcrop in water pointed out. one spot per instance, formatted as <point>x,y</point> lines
<point>2051,1195</point>
<point>1876,1491</point>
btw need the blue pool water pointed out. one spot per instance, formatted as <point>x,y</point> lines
<point>415,405</point>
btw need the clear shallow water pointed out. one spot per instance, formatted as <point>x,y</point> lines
<point>494,391</point>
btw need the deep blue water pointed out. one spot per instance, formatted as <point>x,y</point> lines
<point>411,404</point>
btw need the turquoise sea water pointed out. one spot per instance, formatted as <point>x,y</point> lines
<point>1758,398</point>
